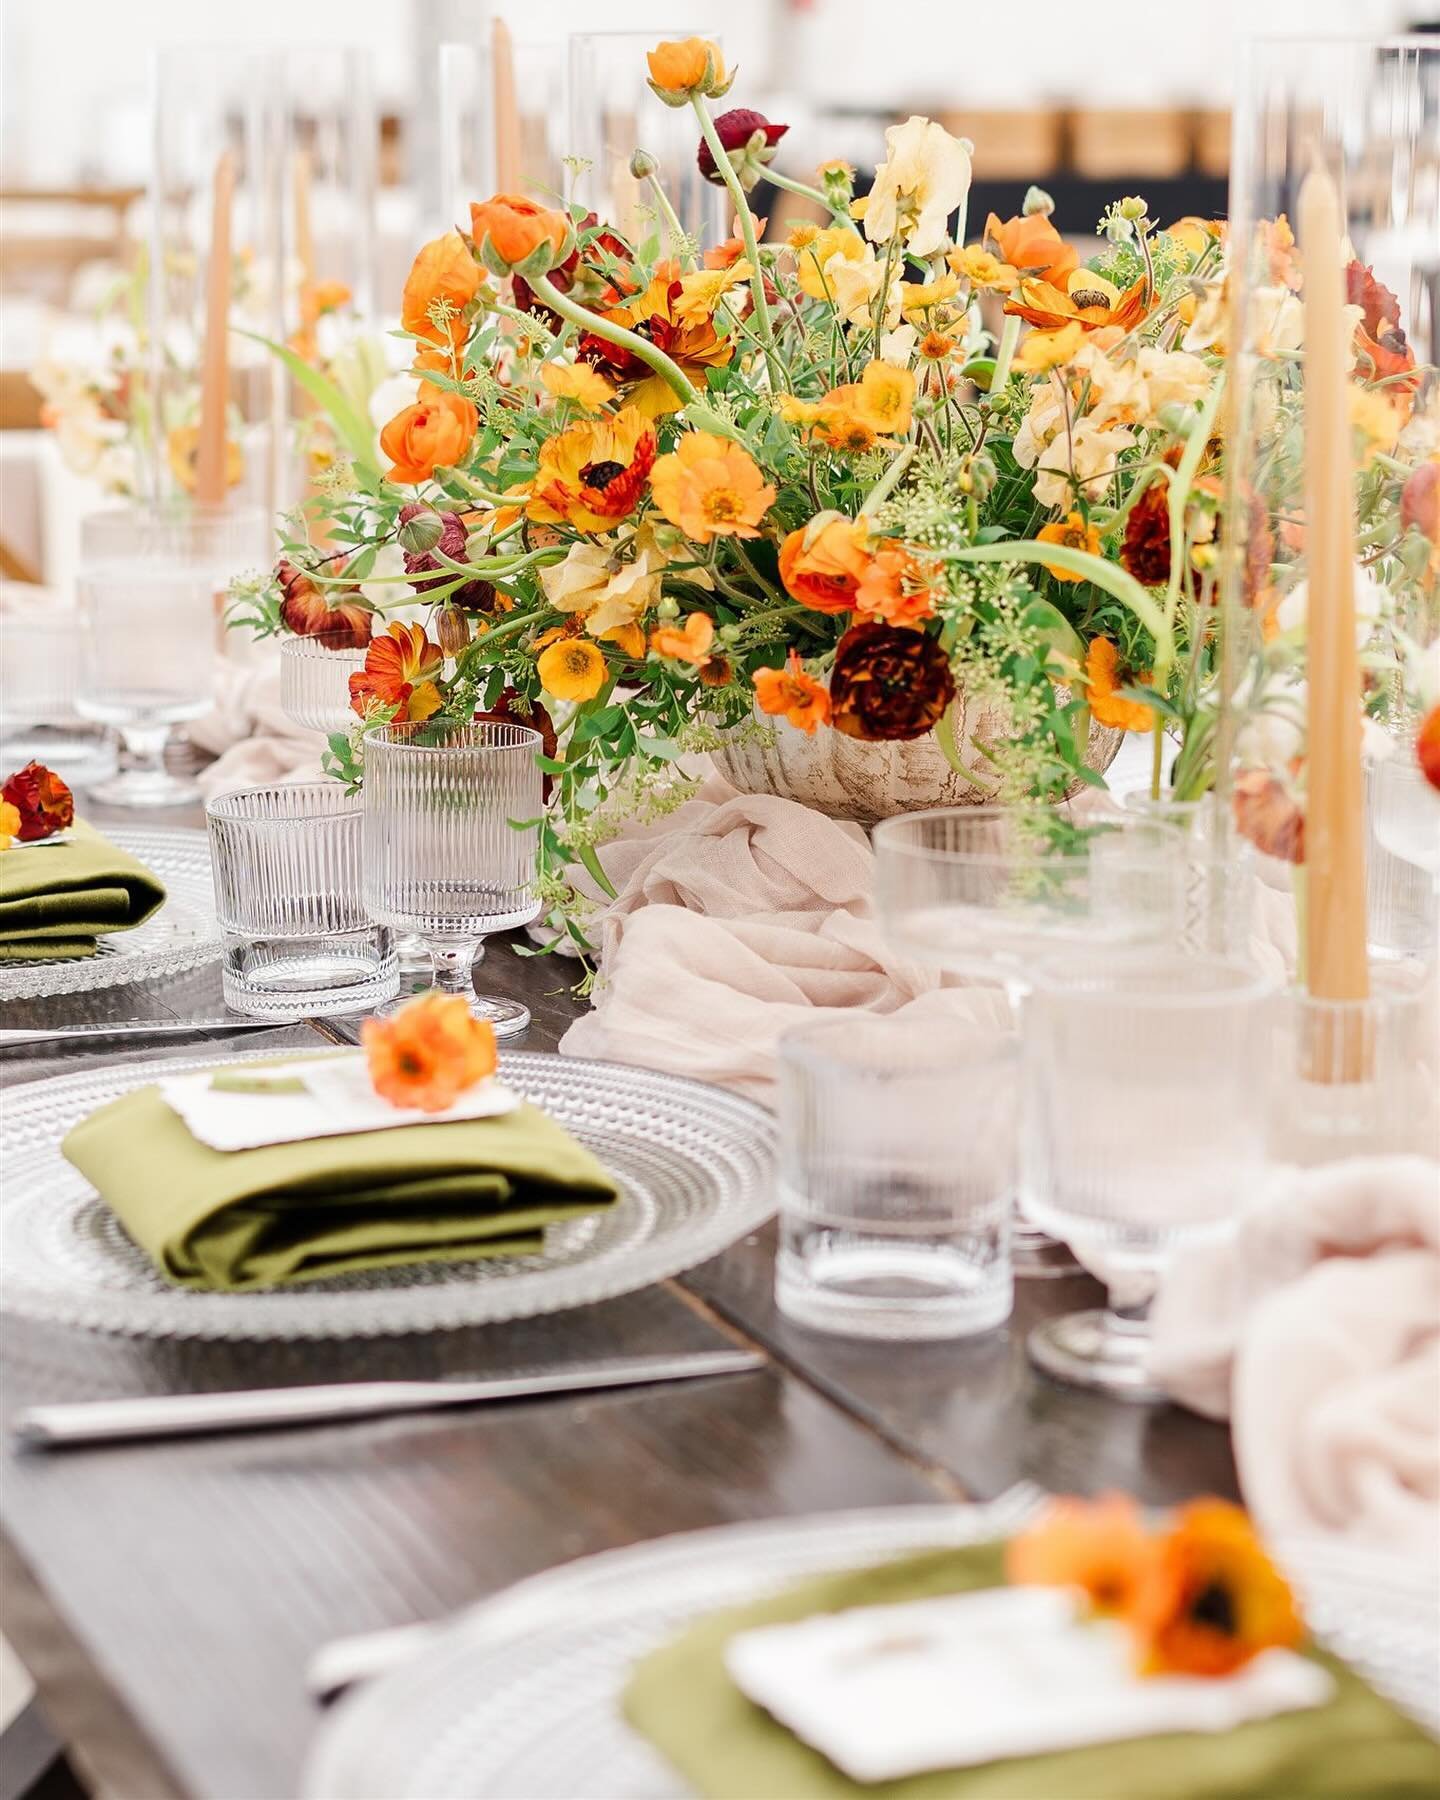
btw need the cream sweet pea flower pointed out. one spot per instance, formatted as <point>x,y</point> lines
<point>1172,378</point>
<point>606,592</point>
<point>924,178</point>
<point>1037,429</point>
<point>898,346</point>
<point>854,285</point>
<point>1095,450</point>
<point>1118,393</point>
<point>1293,611</point>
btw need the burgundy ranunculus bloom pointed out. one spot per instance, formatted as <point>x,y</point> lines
<point>474,596</point>
<point>735,129</point>
<point>889,682</point>
<point>43,801</point>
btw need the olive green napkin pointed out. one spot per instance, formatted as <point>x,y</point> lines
<point>299,1212</point>
<point>727,1748</point>
<point>56,899</point>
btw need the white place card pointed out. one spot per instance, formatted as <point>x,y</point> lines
<point>889,1691</point>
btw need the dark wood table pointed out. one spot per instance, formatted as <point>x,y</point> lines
<point>167,1597</point>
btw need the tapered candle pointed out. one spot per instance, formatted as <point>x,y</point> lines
<point>215,368</point>
<point>507,110</point>
<point>304,236</point>
<point>1336,967</point>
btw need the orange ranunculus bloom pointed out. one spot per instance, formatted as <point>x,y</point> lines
<point>896,587</point>
<point>1427,746</point>
<point>711,487</point>
<point>399,671</point>
<point>687,65</point>
<point>1032,245</point>
<point>1104,675</point>
<point>1089,301</point>
<point>823,563</point>
<point>1099,1545</point>
<point>444,277</point>
<point>793,693</point>
<point>593,473</point>
<point>516,227</point>
<point>689,642</point>
<point>1074,534</point>
<point>429,1052</point>
<point>1211,1599</point>
<point>434,433</point>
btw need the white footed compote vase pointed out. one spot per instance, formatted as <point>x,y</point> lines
<point>1145,1111</point>
<point>451,814</point>
<point>984,892</point>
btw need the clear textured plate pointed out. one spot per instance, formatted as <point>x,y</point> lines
<point>693,1163</point>
<point>182,935</point>
<point>521,1694</point>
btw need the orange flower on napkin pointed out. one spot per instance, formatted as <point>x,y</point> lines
<point>1099,1545</point>
<point>429,1052</point>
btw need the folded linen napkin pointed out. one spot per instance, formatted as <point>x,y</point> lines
<point>57,898</point>
<point>1316,1330</point>
<point>682,1699</point>
<point>292,1212</point>
<point>253,740</point>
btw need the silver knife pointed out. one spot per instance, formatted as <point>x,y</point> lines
<point>54,1034</point>
<point>181,1415</point>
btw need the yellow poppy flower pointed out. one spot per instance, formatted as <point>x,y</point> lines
<point>572,669</point>
<point>577,382</point>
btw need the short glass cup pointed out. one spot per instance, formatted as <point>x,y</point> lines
<point>225,540</point>
<point>451,815</point>
<point>1145,1117</point>
<point>315,683</point>
<point>39,675</point>
<point>298,940</point>
<point>897,1175</point>
<point>1216,874</point>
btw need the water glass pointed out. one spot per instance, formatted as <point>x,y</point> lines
<point>1401,894</point>
<point>1216,874</point>
<point>298,941</point>
<point>1407,812</point>
<point>450,843</point>
<point>1359,1077</point>
<point>897,1174</point>
<point>315,683</point>
<point>1145,1116</point>
<point>39,676</point>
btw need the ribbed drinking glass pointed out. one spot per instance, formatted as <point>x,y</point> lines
<point>298,940</point>
<point>450,843</point>
<point>1144,1117</point>
<point>315,683</point>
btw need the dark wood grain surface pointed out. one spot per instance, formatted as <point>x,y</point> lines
<point>168,1596</point>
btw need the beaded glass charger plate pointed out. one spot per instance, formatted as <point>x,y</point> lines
<point>182,935</point>
<point>521,1694</point>
<point>693,1163</point>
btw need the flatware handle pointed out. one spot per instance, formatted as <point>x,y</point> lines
<point>54,1034</point>
<point>179,1415</point>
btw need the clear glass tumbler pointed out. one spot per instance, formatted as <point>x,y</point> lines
<point>450,843</point>
<point>1145,1113</point>
<point>897,1176</point>
<point>39,675</point>
<point>298,940</point>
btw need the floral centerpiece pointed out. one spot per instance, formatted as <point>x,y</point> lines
<point>657,500</point>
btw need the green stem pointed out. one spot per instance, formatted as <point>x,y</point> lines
<point>887,483</point>
<point>838,213</point>
<point>1116,581</point>
<point>679,242</point>
<point>654,359</point>
<point>743,213</point>
<point>1180,491</point>
<point>767,588</point>
<point>473,487</point>
<point>1005,354</point>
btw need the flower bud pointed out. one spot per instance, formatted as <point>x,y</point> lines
<point>667,607</point>
<point>421,529</point>
<point>1133,207</point>
<point>1036,201</point>
<point>452,630</point>
<point>1119,230</point>
<point>978,476</point>
<point>642,164</point>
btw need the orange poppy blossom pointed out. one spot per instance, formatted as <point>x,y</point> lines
<point>515,228</point>
<point>823,563</point>
<point>1074,534</point>
<point>1046,350</point>
<point>593,473</point>
<point>692,344</point>
<point>400,667</point>
<point>790,692</point>
<point>429,1052</point>
<point>1088,300</point>
<point>1101,1546</point>
<point>896,587</point>
<point>1210,1599</point>
<point>884,397</point>
<point>1029,243</point>
<point>711,487</point>
<point>689,642</point>
<point>833,421</point>
<point>1104,676</point>
<point>433,433</point>
<point>443,280</point>
<point>571,668</point>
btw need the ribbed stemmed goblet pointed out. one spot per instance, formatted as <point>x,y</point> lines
<point>450,843</point>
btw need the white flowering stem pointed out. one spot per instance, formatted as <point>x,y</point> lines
<point>669,371</point>
<point>679,241</point>
<point>888,482</point>
<point>1119,582</point>
<point>531,324</point>
<point>741,202</point>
